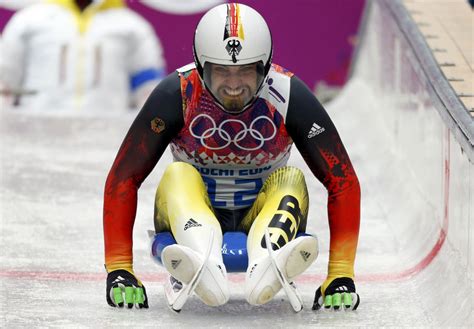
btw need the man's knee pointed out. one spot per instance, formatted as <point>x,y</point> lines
<point>287,175</point>
<point>287,180</point>
<point>180,177</point>
<point>177,170</point>
<point>181,181</point>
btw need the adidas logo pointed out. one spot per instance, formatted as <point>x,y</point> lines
<point>315,130</point>
<point>252,269</point>
<point>342,288</point>
<point>175,263</point>
<point>305,255</point>
<point>191,223</point>
<point>175,284</point>
<point>119,279</point>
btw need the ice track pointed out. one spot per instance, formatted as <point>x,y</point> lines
<point>414,262</point>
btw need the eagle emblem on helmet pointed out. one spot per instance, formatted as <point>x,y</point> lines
<point>233,48</point>
<point>233,29</point>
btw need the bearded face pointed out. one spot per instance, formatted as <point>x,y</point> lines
<point>234,86</point>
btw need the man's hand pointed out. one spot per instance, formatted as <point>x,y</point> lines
<point>339,293</point>
<point>123,286</point>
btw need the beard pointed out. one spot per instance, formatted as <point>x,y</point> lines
<point>235,104</point>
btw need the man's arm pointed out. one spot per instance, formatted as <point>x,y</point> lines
<point>319,143</point>
<point>160,119</point>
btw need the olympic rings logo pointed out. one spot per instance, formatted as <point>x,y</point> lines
<point>224,135</point>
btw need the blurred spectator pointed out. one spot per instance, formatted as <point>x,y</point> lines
<point>94,55</point>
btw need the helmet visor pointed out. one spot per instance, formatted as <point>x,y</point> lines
<point>234,86</point>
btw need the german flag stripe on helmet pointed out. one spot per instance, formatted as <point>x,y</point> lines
<point>233,25</point>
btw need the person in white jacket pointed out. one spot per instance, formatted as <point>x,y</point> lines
<point>79,55</point>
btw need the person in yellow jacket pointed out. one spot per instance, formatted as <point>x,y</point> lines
<point>80,55</point>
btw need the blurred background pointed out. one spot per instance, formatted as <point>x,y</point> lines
<point>314,39</point>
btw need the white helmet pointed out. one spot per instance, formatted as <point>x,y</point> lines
<point>233,34</point>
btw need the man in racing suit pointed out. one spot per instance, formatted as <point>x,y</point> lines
<point>230,120</point>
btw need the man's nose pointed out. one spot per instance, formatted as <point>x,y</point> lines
<point>234,81</point>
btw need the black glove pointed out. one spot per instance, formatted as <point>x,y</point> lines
<point>340,292</point>
<point>122,283</point>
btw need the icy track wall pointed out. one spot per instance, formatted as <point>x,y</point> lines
<point>422,138</point>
